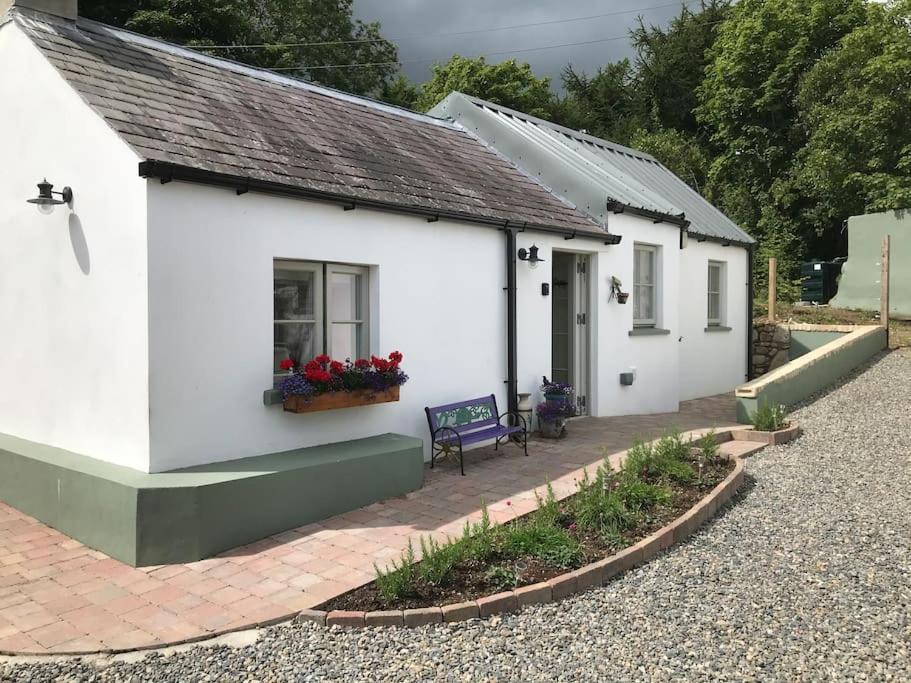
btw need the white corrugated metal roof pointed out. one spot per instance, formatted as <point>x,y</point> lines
<point>588,171</point>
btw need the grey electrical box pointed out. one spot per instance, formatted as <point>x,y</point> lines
<point>626,379</point>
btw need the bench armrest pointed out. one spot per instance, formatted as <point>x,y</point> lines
<point>440,430</point>
<point>514,414</point>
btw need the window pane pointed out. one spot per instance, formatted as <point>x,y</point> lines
<point>647,269</point>
<point>294,294</point>
<point>714,307</point>
<point>345,296</point>
<point>648,310</point>
<point>345,342</point>
<point>294,340</point>
<point>714,278</point>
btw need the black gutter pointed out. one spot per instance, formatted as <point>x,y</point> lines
<point>168,172</point>
<point>616,206</point>
<point>749,331</point>
<point>512,349</point>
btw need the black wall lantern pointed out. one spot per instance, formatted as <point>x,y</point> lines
<point>46,200</point>
<point>530,255</point>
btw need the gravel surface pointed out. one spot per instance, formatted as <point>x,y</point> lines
<point>804,577</point>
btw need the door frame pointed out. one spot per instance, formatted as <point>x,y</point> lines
<point>580,342</point>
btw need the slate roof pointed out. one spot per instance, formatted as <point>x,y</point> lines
<point>177,106</point>
<point>587,171</point>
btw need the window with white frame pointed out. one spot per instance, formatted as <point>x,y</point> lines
<point>645,285</point>
<point>716,293</point>
<point>319,308</point>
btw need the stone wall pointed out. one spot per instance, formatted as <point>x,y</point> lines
<point>771,346</point>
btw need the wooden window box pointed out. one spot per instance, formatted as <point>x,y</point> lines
<point>340,399</point>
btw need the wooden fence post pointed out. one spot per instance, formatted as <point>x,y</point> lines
<point>884,295</point>
<point>773,287</point>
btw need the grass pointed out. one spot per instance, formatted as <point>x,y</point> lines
<point>604,506</point>
<point>899,330</point>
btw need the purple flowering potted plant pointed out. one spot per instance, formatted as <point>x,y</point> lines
<point>557,407</point>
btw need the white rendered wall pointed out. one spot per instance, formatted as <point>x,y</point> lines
<point>712,362</point>
<point>439,299</point>
<point>74,341</point>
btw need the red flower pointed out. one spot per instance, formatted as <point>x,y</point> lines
<point>322,359</point>
<point>317,376</point>
<point>336,368</point>
<point>396,357</point>
<point>379,364</point>
<point>286,364</point>
<point>312,366</point>
<point>362,364</point>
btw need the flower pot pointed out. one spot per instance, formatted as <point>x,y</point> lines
<point>340,399</point>
<point>553,429</point>
<point>622,297</point>
<point>524,403</point>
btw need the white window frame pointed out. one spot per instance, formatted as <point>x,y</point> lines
<point>719,320</point>
<point>322,320</point>
<point>364,321</point>
<point>654,251</point>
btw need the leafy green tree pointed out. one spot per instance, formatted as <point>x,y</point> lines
<point>855,109</point>
<point>606,104</point>
<point>400,92</point>
<point>508,83</point>
<point>671,64</point>
<point>331,35</point>
<point>747,100</point>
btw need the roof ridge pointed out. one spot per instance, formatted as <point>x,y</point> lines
<point>230,64</point>
<point>577,134</point>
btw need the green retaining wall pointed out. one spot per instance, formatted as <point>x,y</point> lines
<point>190,514</point>
<point>804,341</point>
<point>859,286</point>
<point>805,376</point>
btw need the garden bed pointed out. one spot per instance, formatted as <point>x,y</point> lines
<point>613,510</point>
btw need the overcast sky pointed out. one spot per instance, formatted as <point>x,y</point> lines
<point>423,30</point>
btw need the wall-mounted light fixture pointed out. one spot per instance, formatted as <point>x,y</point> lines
<point>46,200</point>
<point>530,255</point>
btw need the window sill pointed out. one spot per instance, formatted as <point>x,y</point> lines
<point>718,328</point>
<point>272,397</point>
<point>647,332</point>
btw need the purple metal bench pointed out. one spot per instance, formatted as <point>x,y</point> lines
<point>459,424</point>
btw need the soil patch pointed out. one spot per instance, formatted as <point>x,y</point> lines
<point>472,579</point>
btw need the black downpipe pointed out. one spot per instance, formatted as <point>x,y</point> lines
<point>750,293</point>
<point>512,382</point>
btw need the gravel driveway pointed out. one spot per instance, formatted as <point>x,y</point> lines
<point>805,577</point>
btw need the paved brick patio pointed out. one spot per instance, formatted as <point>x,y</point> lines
<point>58,596</point>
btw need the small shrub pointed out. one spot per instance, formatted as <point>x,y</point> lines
<point>770,417</point>
<point>439,559</point>
<point>482,537</point>
<point>548,511</point>
<point>501,578</point>
<point>663,461</point>
<point>639,496</point>
<point>708,448</point>
<point>399,581</point>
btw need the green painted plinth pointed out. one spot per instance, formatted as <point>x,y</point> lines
<point>190,514</point>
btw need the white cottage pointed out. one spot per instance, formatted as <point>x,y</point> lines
<point>219,218</point>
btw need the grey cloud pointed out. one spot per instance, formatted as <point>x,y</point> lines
<point>420,27</point>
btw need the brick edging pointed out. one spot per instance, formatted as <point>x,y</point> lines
<point>591,575</point>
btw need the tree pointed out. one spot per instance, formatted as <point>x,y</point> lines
<point>606,104</point>
<point>508,83</point>
<point>400,92</point>
<point>747,100</point>
<point>671,64</point>
<point>855,110</point>
<point>333,37</point>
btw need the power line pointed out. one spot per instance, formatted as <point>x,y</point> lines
<point>437,35</point>
<point>432,59</point>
